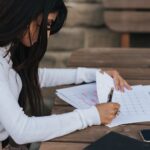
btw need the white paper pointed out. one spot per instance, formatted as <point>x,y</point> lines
<point>147,88</point>
<point>104,84</point>
<point>135,106</point>
<point>82,96</point>
<point>135,103</point>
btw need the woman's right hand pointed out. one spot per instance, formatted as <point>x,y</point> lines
<point>107,112</point>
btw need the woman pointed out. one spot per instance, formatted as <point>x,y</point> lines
<point>24,27</point>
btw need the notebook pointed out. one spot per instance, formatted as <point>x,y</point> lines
<point>116,141</point>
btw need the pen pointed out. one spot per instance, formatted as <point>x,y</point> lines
<point>110,99</point>
<point>110,95</point>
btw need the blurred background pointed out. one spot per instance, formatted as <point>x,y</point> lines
<point>86,27</point>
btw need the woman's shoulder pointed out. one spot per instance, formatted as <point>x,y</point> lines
<point>4,57</point>
<point>7,73</point>
<point>4,61</point>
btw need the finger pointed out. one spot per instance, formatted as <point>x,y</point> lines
<point>116,105</point>
<point>111,117</point>
<point>116,80</point>
<point>114,112</point>
<point>114,108</point>
<point>122,85</point>
<point>127,85</point>
<point>118,112</point>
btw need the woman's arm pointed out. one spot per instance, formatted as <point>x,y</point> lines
<point>24,129</point>
<point>54,77</point>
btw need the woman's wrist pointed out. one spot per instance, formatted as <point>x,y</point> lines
<point>86,75</point>
<point>89,116</point>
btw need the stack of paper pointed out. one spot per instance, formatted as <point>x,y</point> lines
<point>83,96</point>
<point>134,103</point>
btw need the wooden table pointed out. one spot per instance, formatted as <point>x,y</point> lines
<point>134,65</point>
<point>80,139</point>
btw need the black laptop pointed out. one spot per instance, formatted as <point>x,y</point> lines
<point>116,141</point>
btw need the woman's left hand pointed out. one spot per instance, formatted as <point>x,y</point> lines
<point>120,83</point>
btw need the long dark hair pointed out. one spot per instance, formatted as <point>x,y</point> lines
<point>15,18</point>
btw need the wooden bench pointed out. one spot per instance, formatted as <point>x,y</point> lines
<point>127,16</point>
<point>133,64</point>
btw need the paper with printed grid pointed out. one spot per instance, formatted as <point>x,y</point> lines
<point>134,104</point>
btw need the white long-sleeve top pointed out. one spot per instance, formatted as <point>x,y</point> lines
<point>24,129</point>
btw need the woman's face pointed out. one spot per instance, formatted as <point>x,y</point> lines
<point>31,35</point>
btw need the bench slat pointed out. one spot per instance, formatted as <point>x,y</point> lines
<point>62,146</point>
<point>115,50</point>
<point>128,21</point>
<point>127,4</point>
<point>107,57</point>
<point>110,62</point>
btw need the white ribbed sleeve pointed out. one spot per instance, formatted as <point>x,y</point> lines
<point>24,129</point>
<point>54,77</point>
